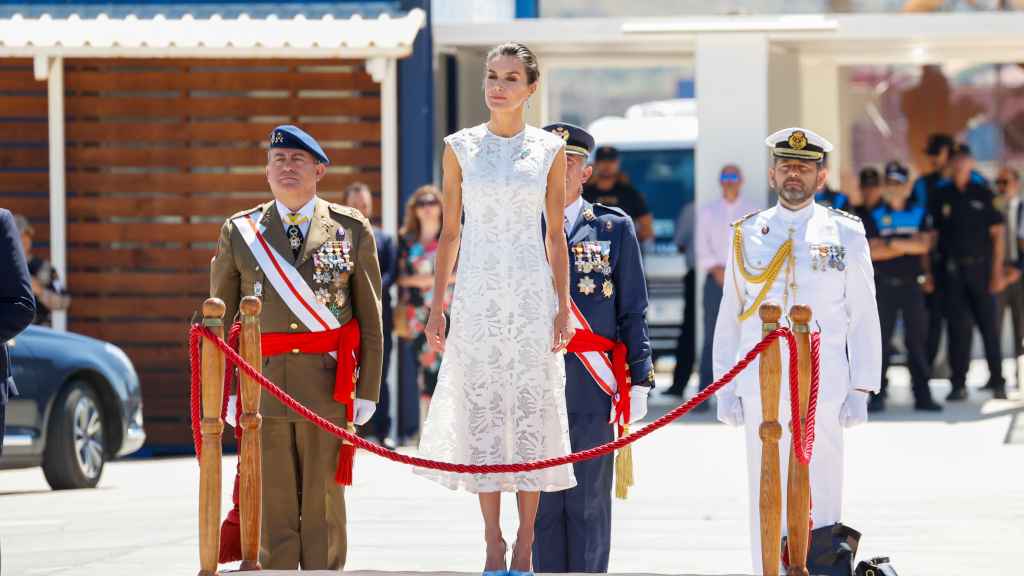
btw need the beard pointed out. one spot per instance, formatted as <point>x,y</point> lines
<point>795,192</point>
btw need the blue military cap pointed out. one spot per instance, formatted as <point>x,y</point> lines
<point>577,140</point>
<point>288,136</point>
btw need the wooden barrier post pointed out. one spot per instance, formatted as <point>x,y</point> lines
<point>251,484</point>
<point>212,428</point>
<point>770,373</point>
<point>798,495</point>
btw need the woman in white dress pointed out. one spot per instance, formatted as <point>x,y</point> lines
<point>500,395</point>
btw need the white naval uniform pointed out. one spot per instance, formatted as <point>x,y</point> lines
<point>843,307</point>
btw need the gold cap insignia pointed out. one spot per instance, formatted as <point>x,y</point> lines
<point>561,131</point>
<point>797,140</point>
<point>276,138</point>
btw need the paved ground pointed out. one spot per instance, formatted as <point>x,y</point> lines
<point>940,495</point>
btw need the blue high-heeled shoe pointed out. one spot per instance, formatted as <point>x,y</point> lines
<point>504,560</point>
<point>518,572</point>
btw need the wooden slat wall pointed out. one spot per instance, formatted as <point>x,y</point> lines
<point>159,152</point>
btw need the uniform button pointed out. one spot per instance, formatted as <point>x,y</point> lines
<point>294,326</point>
<point>295,350</point>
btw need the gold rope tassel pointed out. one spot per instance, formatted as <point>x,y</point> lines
<point>624,469</point>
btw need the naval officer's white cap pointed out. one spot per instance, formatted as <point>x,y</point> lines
<point>798,143</point>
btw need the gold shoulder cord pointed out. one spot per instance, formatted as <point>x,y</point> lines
<point>783,256</point>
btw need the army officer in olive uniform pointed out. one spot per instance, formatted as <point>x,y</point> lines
<point>303,507</point>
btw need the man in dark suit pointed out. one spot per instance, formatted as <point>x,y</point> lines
<point>609,296</point>
<point>17,305</point>
<point>358,196</point>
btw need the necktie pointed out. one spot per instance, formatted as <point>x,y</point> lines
<point>294,232</point>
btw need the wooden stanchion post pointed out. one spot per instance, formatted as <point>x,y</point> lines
<point>251,483</point>
<point>798,494</point>
<point>212,428</point>
<point>770,373</point>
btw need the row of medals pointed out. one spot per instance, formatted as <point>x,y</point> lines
<point>590,257</point>
<point>826,257</point>
<point>332,264</point>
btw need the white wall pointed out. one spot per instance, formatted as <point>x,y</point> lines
<point>732,111</point>
<point>449,11</point>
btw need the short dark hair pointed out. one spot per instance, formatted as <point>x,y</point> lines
<point>938,142</point>
<point>519,51</point>
<point>869,177</point>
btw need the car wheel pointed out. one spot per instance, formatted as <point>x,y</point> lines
<point>75,444</point>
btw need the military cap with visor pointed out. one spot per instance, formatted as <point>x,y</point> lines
<point>577,140</point>
<point>798,144</point>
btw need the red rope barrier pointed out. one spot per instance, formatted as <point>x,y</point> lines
<point>232,357</point>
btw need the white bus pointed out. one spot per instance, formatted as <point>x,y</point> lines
<point>656,143</point>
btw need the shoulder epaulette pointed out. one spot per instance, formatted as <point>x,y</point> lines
<point>747,217</point>
<point>844,214</point>
<point>346,211</point>
<point>248,211</point>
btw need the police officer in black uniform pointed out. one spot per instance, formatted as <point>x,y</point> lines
<point>939,148</point>
<point>897,232</point>
<point>832,198</point>
<point>971,244</point>
<point>870,185</point>
<point>609,187</point>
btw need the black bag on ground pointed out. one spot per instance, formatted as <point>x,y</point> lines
<point>831,551</point>
<point>876,567</point>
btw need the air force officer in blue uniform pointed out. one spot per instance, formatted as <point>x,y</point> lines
<point>609,294</point>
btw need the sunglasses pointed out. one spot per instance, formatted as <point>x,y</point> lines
<point>729,177</point>
<point>1002,182</point>
<point>422,203</point>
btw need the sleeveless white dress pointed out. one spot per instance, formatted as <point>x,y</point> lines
<point>500,395</point>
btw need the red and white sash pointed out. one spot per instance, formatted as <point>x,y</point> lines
<point>285,279</point>
<point>597,364</point>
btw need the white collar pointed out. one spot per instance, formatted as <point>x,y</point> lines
<point>306,210</point>
<point>572,211</point>
<point>795,216</point>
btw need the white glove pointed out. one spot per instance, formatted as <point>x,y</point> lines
<point>638,403</point>
<point>855,409</point>
<point>362,411</point>
<point>231,418</point>
<point>730,408</point>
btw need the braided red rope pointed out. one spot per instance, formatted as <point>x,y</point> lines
<point>197,331</point>
<point>196,398</point>
<point>803,440</point>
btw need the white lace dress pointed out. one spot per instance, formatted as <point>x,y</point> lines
<point>500,394</point>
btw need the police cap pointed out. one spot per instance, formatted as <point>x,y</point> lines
<point>896,172</point>
<point>937,143</point>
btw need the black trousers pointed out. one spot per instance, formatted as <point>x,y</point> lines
<point>380,424</point>
<point>935,303</point>
<point>686,346</point>
<point>408,389</point>
<point>712,302</point>
<point>967,297</point>
<point>904,296</point>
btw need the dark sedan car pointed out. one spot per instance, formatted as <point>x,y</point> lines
<point>79,405</point>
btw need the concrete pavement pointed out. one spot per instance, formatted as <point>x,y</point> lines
<point>940,494</point>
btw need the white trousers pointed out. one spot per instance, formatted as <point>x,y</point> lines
<point>826,469</point>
